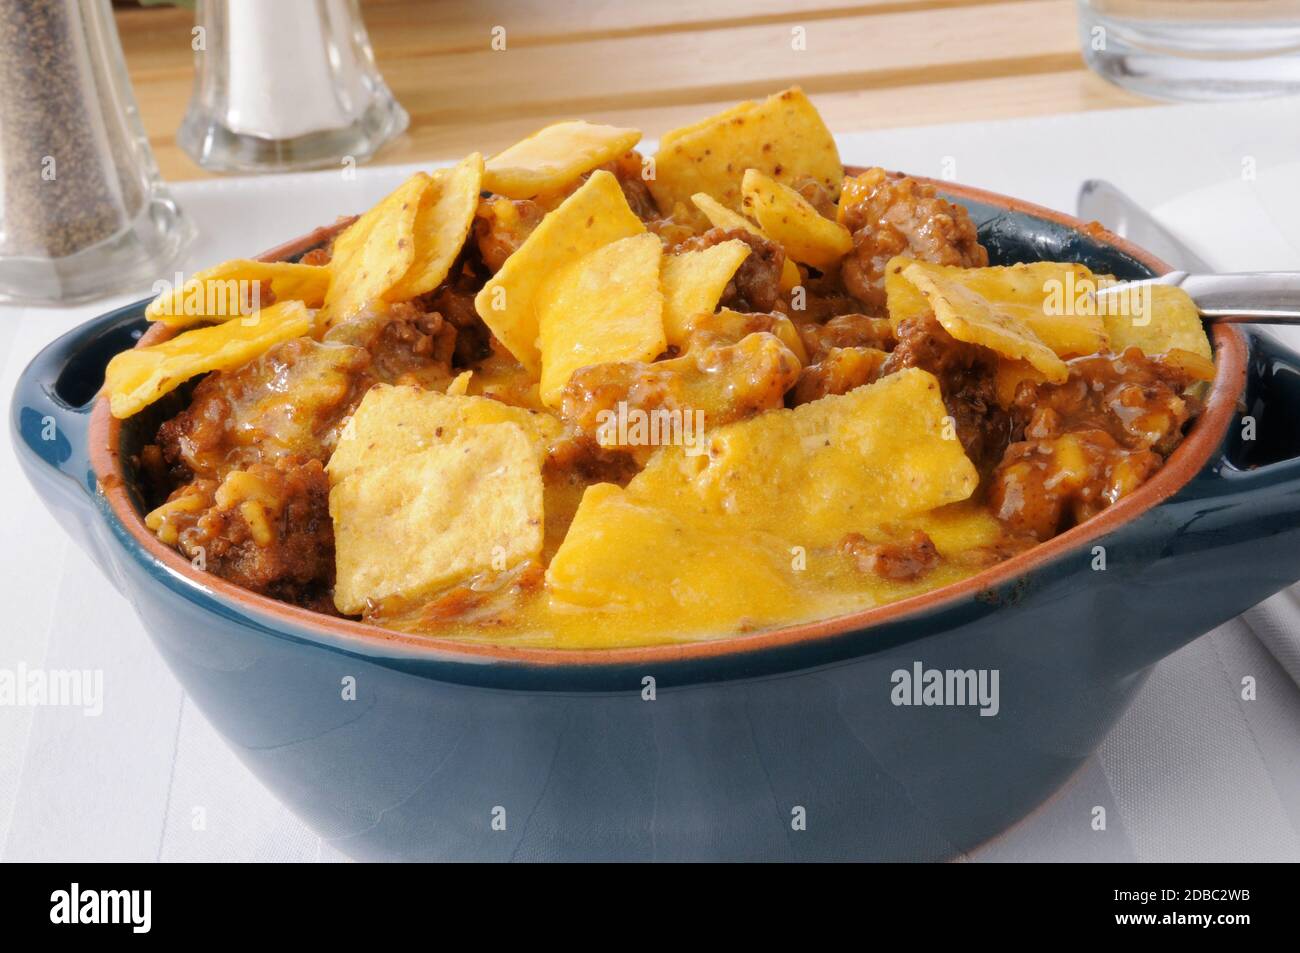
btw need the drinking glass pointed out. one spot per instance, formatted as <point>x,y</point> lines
<point>1194,49</point>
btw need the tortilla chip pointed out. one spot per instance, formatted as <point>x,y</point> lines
<point>593,216</point>
<point>970,317</point>
<point>881,451</point>
<point>393,421</point>
<point>1050,298</point>
<point>693,283</point>
<point>226,290</point>
<point>608,561</point>
<point>375,252</point>
<point>1195,366</point>
<point>442,224</point>
<point>789,220</point>
<point>459,387</point>
<point>407,527</point>
<point>555,157</point>
<point>720,216</point>
<point>783,137</point>
<point>1047,297</point>
<point>707,123</point>
<point>136,378</point>
<point>1173,322</point>
<point>903,300</point>
<point>606,306</point>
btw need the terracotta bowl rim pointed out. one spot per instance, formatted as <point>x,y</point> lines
<point>1190,457</point>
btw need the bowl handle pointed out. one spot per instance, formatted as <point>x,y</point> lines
<point>1257,474</point>
<point>1231,537</point>
<point>50,419</point>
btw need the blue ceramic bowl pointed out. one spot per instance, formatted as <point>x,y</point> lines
<point>780,745</point>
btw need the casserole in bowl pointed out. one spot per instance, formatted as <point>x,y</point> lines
<point>363,502</point>
<point>784,744</point>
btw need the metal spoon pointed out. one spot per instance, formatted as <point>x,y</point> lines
<point>1256,297</point>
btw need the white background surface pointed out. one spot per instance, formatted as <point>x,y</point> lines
<point>1192,772</point>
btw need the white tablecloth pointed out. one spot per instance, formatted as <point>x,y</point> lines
<point>1191,772</point>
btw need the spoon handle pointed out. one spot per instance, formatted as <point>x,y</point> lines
<point>1262,297</point>
<point>1254,297</point>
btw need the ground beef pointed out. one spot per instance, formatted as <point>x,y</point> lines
<point>817,195</point>
<point>901,560</point>
<point>822,299</point>
<point>1043,487</point>
<point>726,382</point>
<point>266,528</point>
<point>842,354</point>
<point>317,256</point>
<point>407,344</point>
<point>501,225</point>
<point>730,327</point>
<point>1090,441</point>
<point>756,284</point>
<point>454,300</point>
<point>895,215</point>
<point>1139,400</point>
<point>837,371</point>
<point>966,378</point>
<point>847,330</point>
<point>578,457</point>
<point>290,402</point>
<point>629,170</point>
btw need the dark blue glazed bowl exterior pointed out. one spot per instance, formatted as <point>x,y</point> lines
<point>766,750</point>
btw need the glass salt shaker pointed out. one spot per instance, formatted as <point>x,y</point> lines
<point>83,212</point>
<point>285,85</point>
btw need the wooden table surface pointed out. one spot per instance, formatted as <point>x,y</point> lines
<point>867,64</point>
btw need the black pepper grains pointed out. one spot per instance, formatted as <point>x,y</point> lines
<point>58,157</point>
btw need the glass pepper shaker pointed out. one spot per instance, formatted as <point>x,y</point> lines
<point>285,85</point>
<point>83,212</point>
